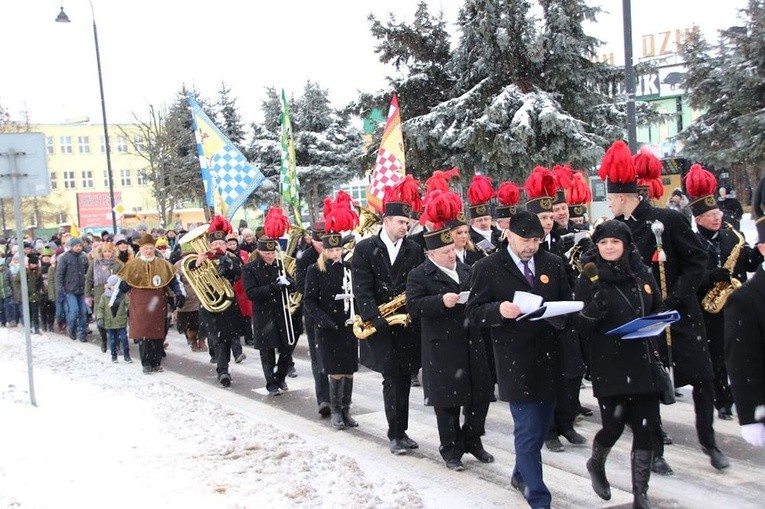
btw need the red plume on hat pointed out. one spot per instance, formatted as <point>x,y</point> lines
<point>617,165</point>
<point>700,182</point>
<point>220,223</point>
<point>579,193</point>
<point>564,175</point>
<point>276,223</point>
<point>540,183</point>
<point>327,207</point>
<point>655,187</point>
<point>508,194</point>
<point>480,190</point>
<point>406,190</point>
<point>442,206</point>
<point>647,165</point>
<point>341,216</point>
<point>440,179</point>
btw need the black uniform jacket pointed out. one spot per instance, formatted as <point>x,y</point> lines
<point>455,369</point>
<point>376,282</point>
<point>268,320</point>
<point>619,366</point>
<point>526,353</point>
<point>745,348</point>
<point>684,271</point>
<point>476,237</point>
<point>472,256</point>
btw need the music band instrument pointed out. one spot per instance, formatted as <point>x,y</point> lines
<point>362,330</point>
<point>215,292</point>
<point>715,299</point>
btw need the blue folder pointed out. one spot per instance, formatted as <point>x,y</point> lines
<point>646,326</point>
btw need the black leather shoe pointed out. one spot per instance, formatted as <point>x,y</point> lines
<point>455,464</point>
<point>574,437</point>
<point>397,447</point>
<point>660,466</point>
<point>481,455</point>
<point>415,381</point>
<point>518,485</point>
<point>666,438</point>
<point>225,380</point>
<point>725,414</point>
<point>716,458</point>
<point>283,387</point>
<point>324,409</point>
<point>554,445</point>
<point>583,410</point>
<point>408,443</point>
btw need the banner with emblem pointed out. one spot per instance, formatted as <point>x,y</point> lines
<point>289,186</point>
<point>228,177</point>
<point>390,166</point>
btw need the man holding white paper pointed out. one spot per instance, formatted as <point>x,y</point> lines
<point>526,352</point>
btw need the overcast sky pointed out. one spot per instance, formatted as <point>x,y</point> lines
<point>150,47</point>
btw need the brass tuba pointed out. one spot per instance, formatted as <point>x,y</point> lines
<point>289,261</point>
<point>362,330</point>
<point>715,299</point>
<point>214,292</point>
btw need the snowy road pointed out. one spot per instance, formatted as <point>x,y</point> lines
<point>114,432</point>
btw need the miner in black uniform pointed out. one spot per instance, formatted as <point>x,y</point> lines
<point>455,372</point>
<point>305,259</point>
<point>682,271</point>
<point>380,266</point>
<point>745,350</point>
<point>485,236</point>
<point>720,243</point>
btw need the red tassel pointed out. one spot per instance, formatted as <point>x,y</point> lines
<point>655,257</point>
<point>579,193</point>
<point>341,216</point>
<point>540,183</point>
<point>276,223</point>
<point>442,207</point>
<point>440,179</point>
<point>508,194</point>
<point>700,182</point>
<point>617,165</point>
<point>564,175</point>
<point>327,207</point>
<point>657,188</point>
<point>220,223</point>
<point>480,190</point>
<point>647,165</point>
<point>406,190</point>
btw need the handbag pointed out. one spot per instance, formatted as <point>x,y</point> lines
<point>661,377</point>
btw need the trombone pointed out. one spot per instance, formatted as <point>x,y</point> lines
<point>285,296</point>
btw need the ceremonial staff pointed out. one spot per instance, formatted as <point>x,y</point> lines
<point>657,227</point>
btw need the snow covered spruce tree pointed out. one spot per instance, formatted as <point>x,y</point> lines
<point>227,117</point>
<point>327,147</point>
<point>727,82</point>
<point>526,91</point>
<point>265,148</point>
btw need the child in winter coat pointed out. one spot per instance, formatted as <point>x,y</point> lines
<point>116,326</point>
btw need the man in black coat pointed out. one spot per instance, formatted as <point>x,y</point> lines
<point>745,350</point>
<point>455,370</point>
<point>71,268</point>
<point>268,289</point>
<point>682,272</point>
<point>527,353</point>
<point>305,259</point>
<point>380,266</point>
<point>720,243</point>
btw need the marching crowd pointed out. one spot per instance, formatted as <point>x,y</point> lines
<point>437,289</point>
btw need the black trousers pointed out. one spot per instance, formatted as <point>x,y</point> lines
<point>566,407</point>
<point>151,351</point>
<point>47,314</point>
<point>456,439</point>
<point>703,405</point>
<point>275,372</point>
<point>320,379</point>
<point>396,399</point>
<point>723,394</point>
<point>222,334</point>
<point>641,411</point>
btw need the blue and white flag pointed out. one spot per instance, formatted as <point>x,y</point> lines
<point>228,177</point>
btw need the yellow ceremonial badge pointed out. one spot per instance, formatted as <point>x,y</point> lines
<point>544,279</point>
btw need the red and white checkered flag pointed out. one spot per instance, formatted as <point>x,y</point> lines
<point>390,166</point>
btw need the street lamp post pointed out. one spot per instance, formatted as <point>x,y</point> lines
<point>63,18</point>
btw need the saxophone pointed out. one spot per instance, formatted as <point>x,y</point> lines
<point>362,330</point>
<point>717,296</point>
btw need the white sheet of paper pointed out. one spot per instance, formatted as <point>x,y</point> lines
<point>562,307</point>
<point>486,245</point>
<point>463,297</point>
<point>528,302</point>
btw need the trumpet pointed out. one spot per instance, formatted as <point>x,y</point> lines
<point>285,296</point>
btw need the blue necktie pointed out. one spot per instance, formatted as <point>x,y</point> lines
<point>528,274</point>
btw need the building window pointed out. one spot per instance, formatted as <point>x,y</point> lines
<point>106,179</point>
<point>138,143</point>
<point>66,144</point>
<point>49,144</point>
<point>125,178</point>
<point>122,144</point>
<point>83,143</point>
<point>87,179</point>
<point>69,180</point>
<point>103,145</point>
<point>53,180</point>
<point>140,178</point>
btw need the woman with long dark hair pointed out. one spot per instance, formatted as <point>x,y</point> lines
<point>616,290</point>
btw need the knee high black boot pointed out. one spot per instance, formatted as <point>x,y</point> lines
<point>336,401</point>
<point>596,466</point>
<point>346,403</point>
<point>641,473</point>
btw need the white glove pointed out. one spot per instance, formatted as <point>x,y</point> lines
<point>282,281</point>
<point>754,433</point>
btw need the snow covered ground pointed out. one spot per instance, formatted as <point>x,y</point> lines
<point>106,435</point>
